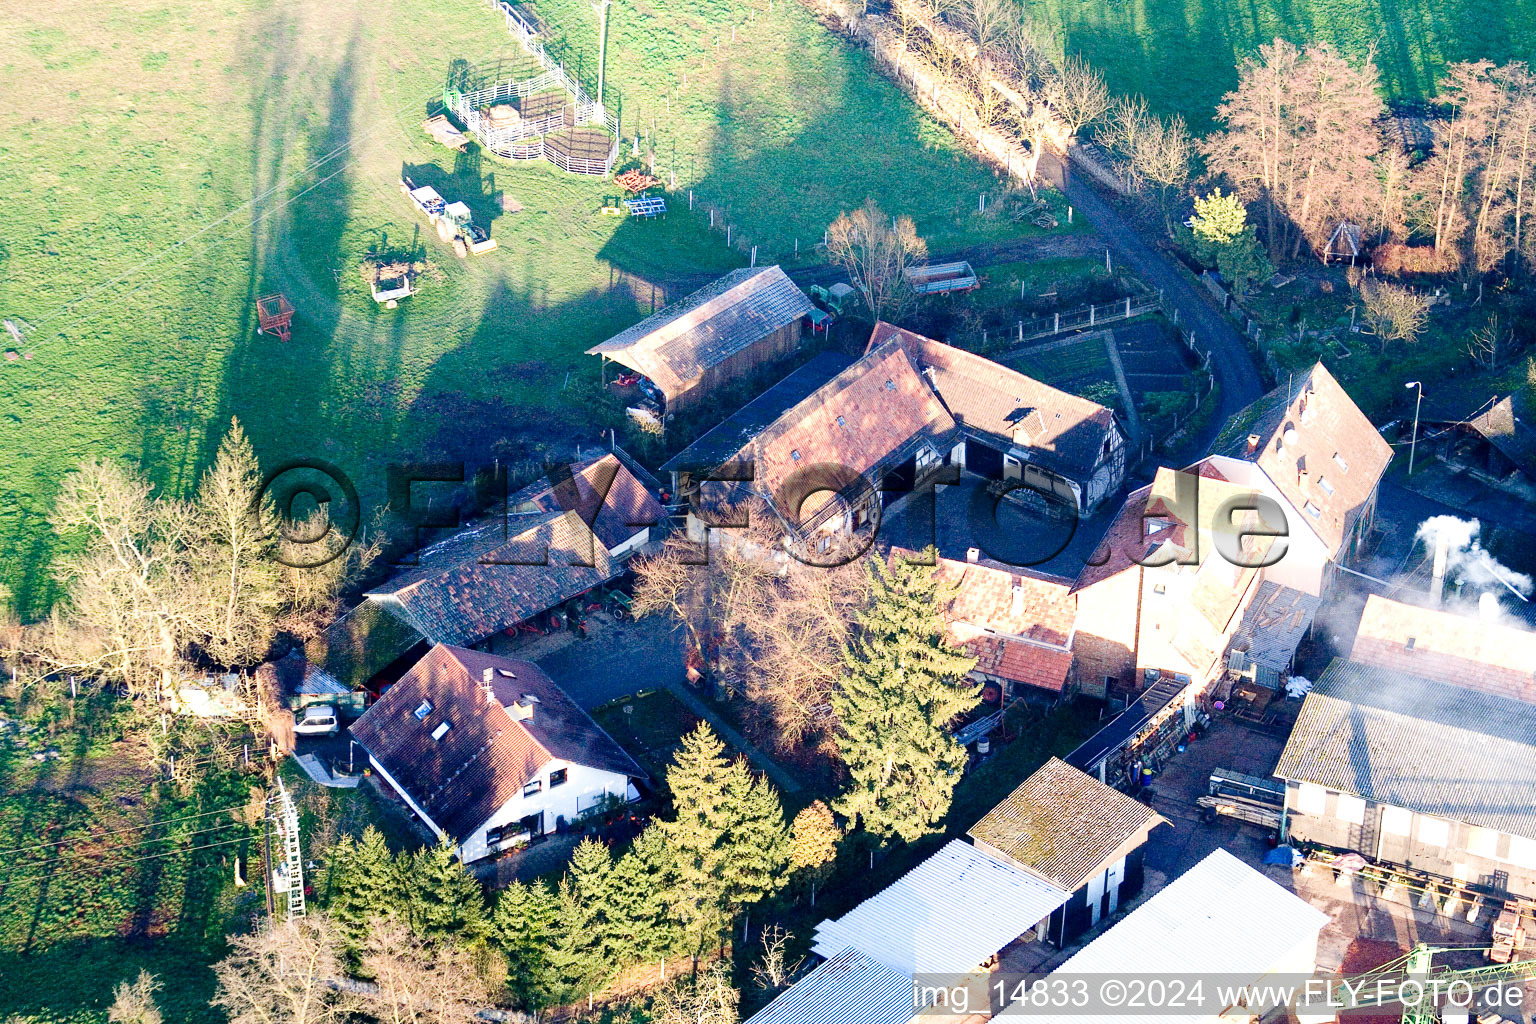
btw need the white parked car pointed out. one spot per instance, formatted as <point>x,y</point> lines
<point>317,720</point>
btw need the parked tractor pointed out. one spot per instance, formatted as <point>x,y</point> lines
<point>455,224</point>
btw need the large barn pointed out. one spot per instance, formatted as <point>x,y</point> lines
<point>721,332</point>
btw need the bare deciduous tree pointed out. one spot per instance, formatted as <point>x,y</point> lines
<point>781,626</point>
<point>876,249</point>
<point>1395,313</point>
<point>1299,136</point>
<point>775,970</point>
<point>1489,344</point>
<point>129,602</point>
<point>134,1002</point>
<point>419,982</point>
<point>283,974</point>
<point>1077,94</point>
<point>707,999</point>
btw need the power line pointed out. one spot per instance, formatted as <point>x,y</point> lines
<point>120,831</point>
<point>85,868</point>
<point>122,846</point>
<point>384,121</point>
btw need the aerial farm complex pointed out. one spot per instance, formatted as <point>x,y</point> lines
<point>770,512</point>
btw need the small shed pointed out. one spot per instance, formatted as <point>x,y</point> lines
<point>1344,244</point>
<point>720,333</point>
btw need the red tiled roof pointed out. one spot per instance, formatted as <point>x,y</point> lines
<point>1065,432</point>
<point>604,491</point>
<point>1317,446</point>
<point>1029,609</point>
<point>866,416</point>
<point>1448,647</point>
<point>486,755</point>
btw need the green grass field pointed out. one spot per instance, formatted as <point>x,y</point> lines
<point>1182,54</point>
<point>166,163</point>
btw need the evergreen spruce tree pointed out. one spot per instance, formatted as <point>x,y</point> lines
<point>591,875</point>
<point>902,684</point>
<point>726,838</point>
<point>573,968</point>
<point>759,841</point>
<point>523,928</point>
<point>367,884</point>
<point>445,900</point>
<point>641,878</point>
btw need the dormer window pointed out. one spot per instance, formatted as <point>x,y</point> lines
<point>423,710</point>
<point>795,455</point>
<point>842,422</point>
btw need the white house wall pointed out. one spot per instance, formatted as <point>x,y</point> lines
<point>1304,566</point>
<point>584,788</point>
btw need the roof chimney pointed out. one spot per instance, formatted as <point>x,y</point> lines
<point>523,709</point>
<point>1253,443</point>
<point>972,554</point>
<point>1437,578</point>
<point>486,691</point>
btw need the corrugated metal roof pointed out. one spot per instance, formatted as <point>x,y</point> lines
<point>945,916</point>
<point>1273,626</point>
<point>1220,916</point>
<point>1063,824</point>
<point>1436,748</point>
<point>850,988</point>
<point>675,345</point>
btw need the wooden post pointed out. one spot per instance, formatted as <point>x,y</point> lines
<point>1108,267</point>
<point>1056,328</point>
<point>1127,305</point>
<point>1069,215</point>
<point>1090,316</point>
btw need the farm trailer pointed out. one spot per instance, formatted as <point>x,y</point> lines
<point>938,278</point>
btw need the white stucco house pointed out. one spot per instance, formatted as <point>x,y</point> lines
<point>490,752</point>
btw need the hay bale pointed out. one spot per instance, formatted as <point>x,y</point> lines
<point>503,115</point>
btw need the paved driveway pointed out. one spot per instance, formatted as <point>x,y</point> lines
<point>616,659</point>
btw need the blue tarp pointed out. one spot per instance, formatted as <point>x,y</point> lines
<point>1283,855</point>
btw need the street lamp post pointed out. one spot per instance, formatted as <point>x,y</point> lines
<point>600,7</point>
<point>1413,442</point>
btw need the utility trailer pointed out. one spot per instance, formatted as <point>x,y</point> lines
<point>939,278</point>
<point>1244,797</point>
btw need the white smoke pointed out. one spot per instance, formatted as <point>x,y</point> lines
<point>1467,561</point>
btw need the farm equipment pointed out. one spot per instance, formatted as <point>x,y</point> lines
<point>454,222</point>
<point>1244,797</point>
<point>274,315</point>
<point>390,280</point>
<point>939,278</point>
<point>646,206</point>
<point>1513,930</point>
<point>837,300</point>
<point>820,320</point>
<point>443,131</point>
<point>635,182</point>
<point>457,227</point>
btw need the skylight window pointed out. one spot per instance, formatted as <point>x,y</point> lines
<point>1340,460</point>
<point>1327,487</point>
<point>795,455</point>
<point>842,422</point>
<point>441,730</point>
<point>1314,511</point>
<point>423,710</point>
<point>890,385</point>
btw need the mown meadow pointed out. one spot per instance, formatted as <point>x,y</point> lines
<point>164,164</point>
<point>1182,54</point>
